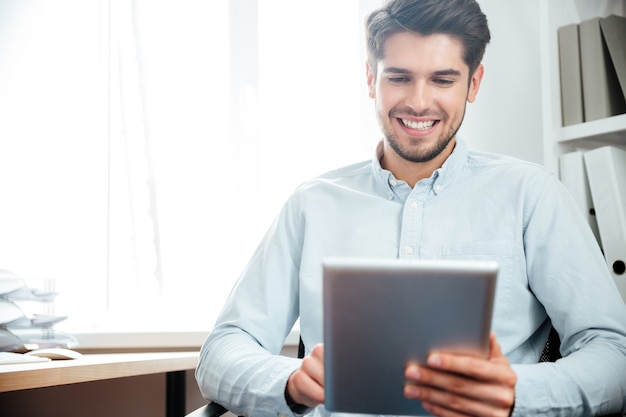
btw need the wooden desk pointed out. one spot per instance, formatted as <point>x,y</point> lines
<point>97,367</point>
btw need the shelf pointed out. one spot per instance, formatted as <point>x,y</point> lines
<point>588,135</point>
<point>610,129</point>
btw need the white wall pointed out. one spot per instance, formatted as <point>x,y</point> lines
<point>506,117</point>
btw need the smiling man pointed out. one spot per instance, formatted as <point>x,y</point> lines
<point>420,87</point>
<point>425,195</point>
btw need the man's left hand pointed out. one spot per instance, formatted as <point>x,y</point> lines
<point>456,385</point>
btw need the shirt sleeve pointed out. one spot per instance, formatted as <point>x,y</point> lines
<point>240,366</point>
<point>569,276</point>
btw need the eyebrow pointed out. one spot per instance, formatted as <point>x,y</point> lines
<point>449,72</point>
<point>446,72</point>
<point>395,70</point>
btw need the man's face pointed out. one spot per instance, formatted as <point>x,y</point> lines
<point>421,88</point>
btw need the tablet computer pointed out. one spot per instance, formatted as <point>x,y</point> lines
<point>380,314</point>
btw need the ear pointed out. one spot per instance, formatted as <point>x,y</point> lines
<point>371,80</point>
<point>477,77</point>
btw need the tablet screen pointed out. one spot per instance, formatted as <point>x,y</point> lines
<point>380,314</point>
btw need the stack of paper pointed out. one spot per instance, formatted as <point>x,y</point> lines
<point>17,330</point>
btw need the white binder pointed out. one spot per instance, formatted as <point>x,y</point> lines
<point>606,170</point>
<point>570,75</point>
<point>573,175</point>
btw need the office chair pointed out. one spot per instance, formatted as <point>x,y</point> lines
<point>212,409</point>
<point>550,353</point>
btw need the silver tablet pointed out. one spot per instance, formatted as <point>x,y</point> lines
<point>380,314</point>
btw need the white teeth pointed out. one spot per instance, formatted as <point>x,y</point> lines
<point>418,125</point>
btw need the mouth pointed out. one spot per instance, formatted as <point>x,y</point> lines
<point>418,125</point>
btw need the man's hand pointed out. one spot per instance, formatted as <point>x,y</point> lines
<point>306,385</point>
<point>454,385</point>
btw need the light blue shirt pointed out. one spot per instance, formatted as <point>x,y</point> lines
<point>476,206</point>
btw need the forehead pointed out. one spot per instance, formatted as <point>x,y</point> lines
<point>411,51</point>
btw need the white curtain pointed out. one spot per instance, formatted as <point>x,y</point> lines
<point>134,246</point>
<point>146,146</point>
<point>225,107</point>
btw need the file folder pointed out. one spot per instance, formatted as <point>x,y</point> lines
<point>614,32</point>
<point>573,175</point>
<point>606,170</point>
<point>570,74</point>
<point>602,95</point>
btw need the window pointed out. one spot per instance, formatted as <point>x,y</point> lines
<point>153,143</point>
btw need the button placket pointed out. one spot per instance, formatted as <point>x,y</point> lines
<point>409,237</point>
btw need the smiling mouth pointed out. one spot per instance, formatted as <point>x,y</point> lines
<point>421,125</point>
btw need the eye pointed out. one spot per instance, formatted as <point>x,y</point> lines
<point>399,80</point>
<point>443,81</point>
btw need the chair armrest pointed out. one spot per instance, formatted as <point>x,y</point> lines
<point>212,409</point>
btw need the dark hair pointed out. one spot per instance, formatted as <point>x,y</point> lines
<point>462,19</point>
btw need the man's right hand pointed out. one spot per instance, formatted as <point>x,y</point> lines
<point>306,385</point>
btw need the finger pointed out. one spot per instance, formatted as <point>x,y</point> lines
<point>496,371</point>
<point>306,385</point>
<point>472,409</point>
<point>318,352</point>
<point>313,365</point>
<point>423,382</point>
<point>495,351</point>
<point>305,390</point>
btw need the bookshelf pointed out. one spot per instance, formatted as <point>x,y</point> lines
<point>588,135</point>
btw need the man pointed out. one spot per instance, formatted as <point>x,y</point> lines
<point>425,195</point>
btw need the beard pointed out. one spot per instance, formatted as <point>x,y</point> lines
<point>415,152</point>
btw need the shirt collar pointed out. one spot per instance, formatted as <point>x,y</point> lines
<point>452,167</point>
<point>439,180</point>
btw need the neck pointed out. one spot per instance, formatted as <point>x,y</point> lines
<point>412,172</point>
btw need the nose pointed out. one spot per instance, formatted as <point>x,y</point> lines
<point>419,97</point>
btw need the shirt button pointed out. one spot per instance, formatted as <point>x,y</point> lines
<point>438,188</point>
<point>393,183</point>
<point>408,250</point>
<point>413,204</point>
